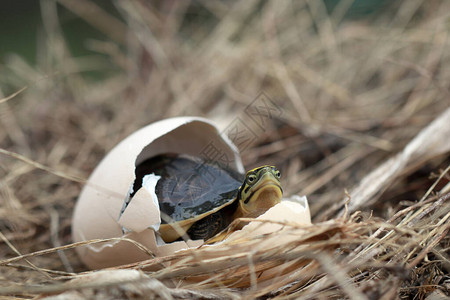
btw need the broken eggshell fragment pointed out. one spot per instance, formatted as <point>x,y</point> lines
<point>104,209</point>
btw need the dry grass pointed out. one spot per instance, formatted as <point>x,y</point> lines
<point>352,94</point>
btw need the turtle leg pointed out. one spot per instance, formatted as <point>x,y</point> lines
<point>207,227</point>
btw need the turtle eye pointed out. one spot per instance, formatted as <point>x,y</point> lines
<point>278,174</point>
<point>251,178</point>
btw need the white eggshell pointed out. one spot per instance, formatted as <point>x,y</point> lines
<point>97,213</point>
<point>293,210</point>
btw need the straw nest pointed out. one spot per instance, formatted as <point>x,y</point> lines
<point>362,130</point>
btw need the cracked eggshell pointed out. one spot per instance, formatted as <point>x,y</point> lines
<point>293,210</point>
<point>97,213</point>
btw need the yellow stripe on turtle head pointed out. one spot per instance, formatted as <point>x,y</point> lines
<point>260,191</point>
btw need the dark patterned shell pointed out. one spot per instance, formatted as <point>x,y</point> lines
<point>190,187</point>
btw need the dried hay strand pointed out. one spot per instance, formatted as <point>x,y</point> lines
<point>362,106</point>
<point>322,260</point>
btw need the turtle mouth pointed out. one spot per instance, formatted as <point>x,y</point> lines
<point>266,195</point>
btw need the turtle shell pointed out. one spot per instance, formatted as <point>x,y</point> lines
<point>189,187</point>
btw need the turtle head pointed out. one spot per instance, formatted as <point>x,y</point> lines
<point>260,191</point>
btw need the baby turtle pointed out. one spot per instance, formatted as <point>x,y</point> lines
<point>201,198</point>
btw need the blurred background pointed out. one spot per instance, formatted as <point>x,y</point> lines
<point>353,80</point>
<point>22,25</point>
